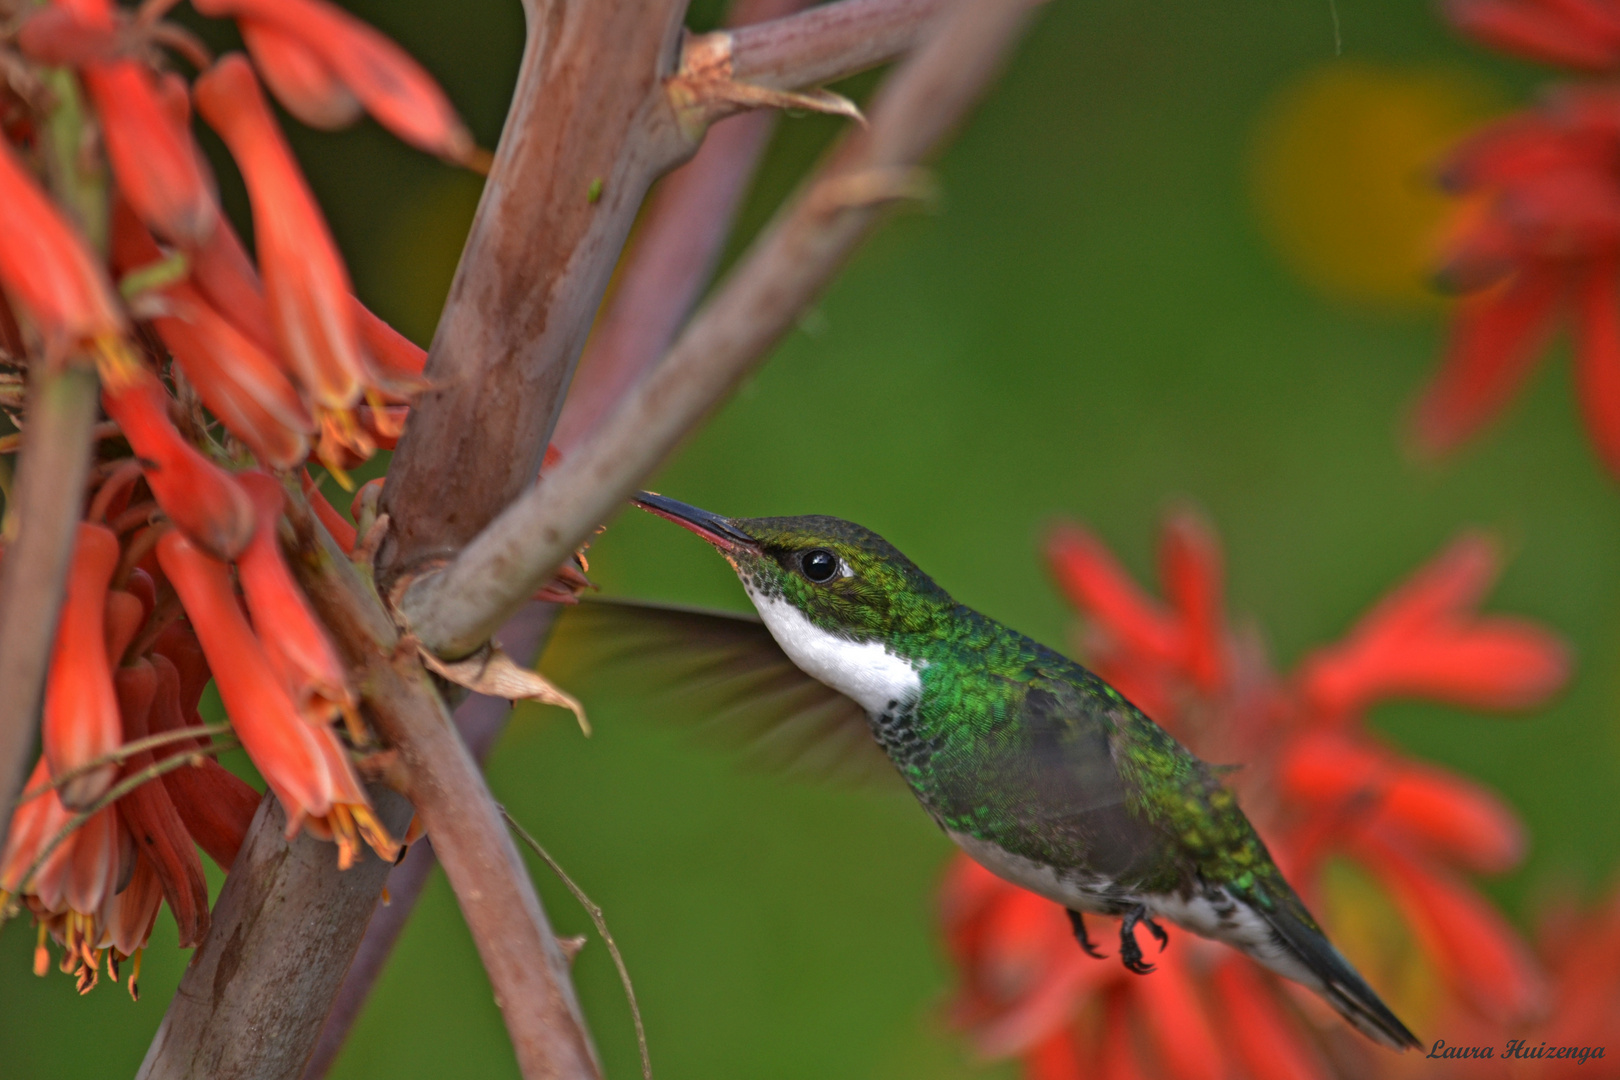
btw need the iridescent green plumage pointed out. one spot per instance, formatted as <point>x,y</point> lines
<point>1035,766</point>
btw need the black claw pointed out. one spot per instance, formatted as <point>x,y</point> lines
<point>1078,921</point>
<point>1130,953</point>
<point>1158,933</point>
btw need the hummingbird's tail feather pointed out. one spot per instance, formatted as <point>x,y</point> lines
<point>1325,970</point>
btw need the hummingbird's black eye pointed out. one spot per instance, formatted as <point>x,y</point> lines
<point>819,564</point>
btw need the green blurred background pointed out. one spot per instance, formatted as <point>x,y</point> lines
<point>1178,257</point>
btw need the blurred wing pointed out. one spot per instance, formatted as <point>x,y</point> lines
<point>723,674</point>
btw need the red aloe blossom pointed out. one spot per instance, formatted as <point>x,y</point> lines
<point>302,763</point>
<point>305,281</point>
<point>294,641</point>
<point>1581,34</point>
<point>158,167</point>
<point>318,59</point>
<point>46,270</point>
<point>216,806</point>
<point>197,495</point>
<point>151,819</point>
<point>1317,786</point>
<point>242,385</point>
<point>1537,235</point>
<point>81,705</point>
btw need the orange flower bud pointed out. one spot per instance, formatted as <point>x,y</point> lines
<point>33,825</point>
<point>81,708</point>
<point>293,638</point>
<point>61,38</point>
<point>197,495</point>
<point>382,76</point>
<point>151,818</point>
<point>335,523</point>
<point>305,281</point>
<point>222,271</point>
<point>395,357</point>
<point>300,81</point>
<point>281,744</point>
<point>46,268</point>
<point>242,385</point>
<point>157,165</point>
<point>128,916</point>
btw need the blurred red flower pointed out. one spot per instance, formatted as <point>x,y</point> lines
<point>1331,800</point>
<point>1536,237</point>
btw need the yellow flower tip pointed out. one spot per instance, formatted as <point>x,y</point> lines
<point>135,975</point>
<point>112,964</point>
<point>375,833</point>
<point>383,420</point>
<point>352,723</point>
<point>116,362</point>
<point>341,822</point>
<point>42,954</point>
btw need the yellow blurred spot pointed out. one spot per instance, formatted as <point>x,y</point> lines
<point>1343,171</point>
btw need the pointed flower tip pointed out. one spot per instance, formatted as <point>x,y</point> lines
<point>306,284</point>
<point>323,58</point>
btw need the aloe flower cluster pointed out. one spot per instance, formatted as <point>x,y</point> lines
<point>1326,793</point>
<point>219,378</point>
<point>1535,240</point>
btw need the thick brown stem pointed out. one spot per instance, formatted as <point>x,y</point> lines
<point>589,131</point>
<point>49,496</point>
<point>480,720</point>
<point>283,931</point>
<point>454,609</point>
<point>673,256</point>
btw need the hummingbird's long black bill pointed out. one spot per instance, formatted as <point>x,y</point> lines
<point>715,529</point>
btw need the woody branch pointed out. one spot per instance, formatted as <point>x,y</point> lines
<point>454,609</point>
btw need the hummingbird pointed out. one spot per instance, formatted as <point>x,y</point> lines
<point>1035,767</point>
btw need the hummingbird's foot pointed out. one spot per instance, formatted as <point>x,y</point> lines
<point>1078,921</point>
<point>1130,953</point>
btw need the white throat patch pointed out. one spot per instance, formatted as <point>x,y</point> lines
<point>866,671</point>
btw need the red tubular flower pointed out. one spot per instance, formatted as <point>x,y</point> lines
<point>293,638</point>
<point>334,523</point>
<point>297,77</point>
<point>1573,33</point>
<point>81,707</point>
<point>244,387</point>
<point>216,806</point>
<point>1537,235</point>
<point>46,268</point>
<point>306,34</point>
<point>222,272</point>
<point>1597,367</point>
<point>197,495</point>
<point>34,823</point>
<point>1426,641</point>
<point>304,278</point>
<point>157,166</point>
<point>128,918</point>
<point>150,816</point>
<point>1263,1039</point>
<point>1496,339</point>
<point>1096,583</point>
<point>1481,956</point>
<point>300,762</point>
<point>260,708</point>
<point>1190,565</point>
